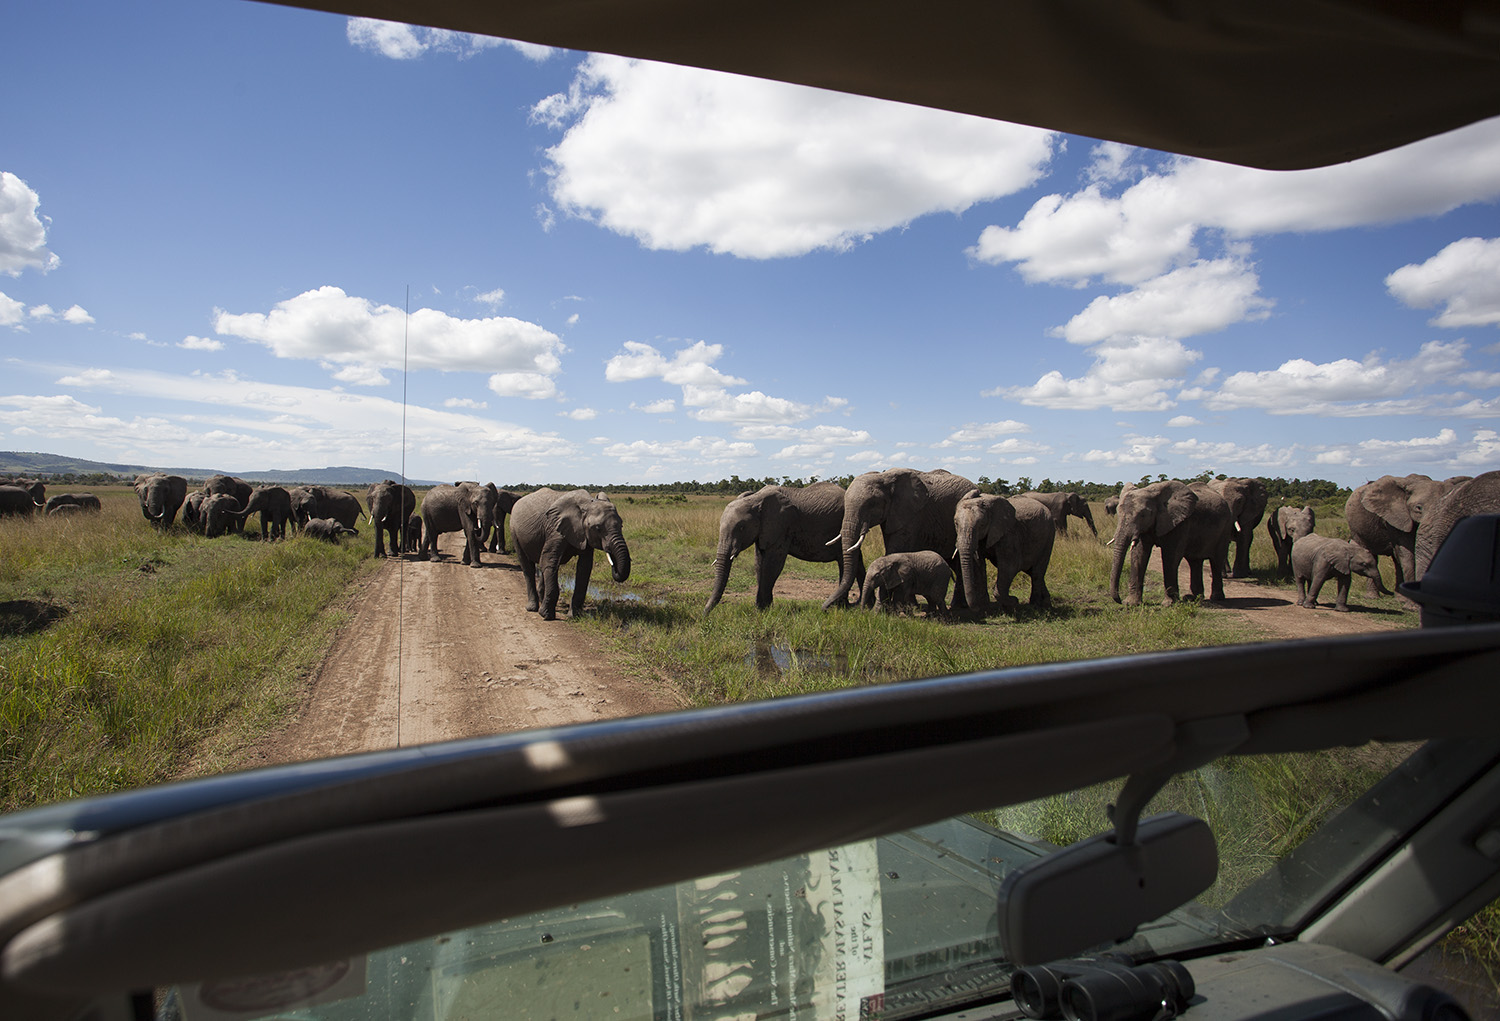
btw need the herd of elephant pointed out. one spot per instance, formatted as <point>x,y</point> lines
<point>25,497</point>
<point>549,527</point>
<point>940,530</point>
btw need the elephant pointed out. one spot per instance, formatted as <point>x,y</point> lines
<point>551,528</point>
<point>310,502</point>
<point>274,504</point>
<point>16,501</point>
<point>1384,515</point>
<point>779,521</point>
<point>1247,505</point>
<point>160,495</point>
<point>82,501</point>
<point>219,513</point>
<point>413,537</point>
<point>1316,557</point>
<point>1285,526</point>
<point>1111,506</point>
<point>466,507</point>
<point>1188,521</point>
<point>1479,495</point>
<point>192,510</point>
<point>67,510</point>
<point>914,511</point>
<point>230,485</point>
<point>1061,505</point>
<point>1015,534</point>
<point>895,580</point>
<point>328,529</point>
<point>505,502</point>
<point>391,505</point>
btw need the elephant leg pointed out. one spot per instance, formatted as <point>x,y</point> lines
<point>1319,576</point>
<point>581,577</point>
<point>768,567</point>
<point>1195,576</point>
<point>1216,583</point>
<point>551,560</point>
<point>471,540</point>
<point>1169,569</point>
<point>960,597</point>
<point>528,570</point>
<point>1341,599</point>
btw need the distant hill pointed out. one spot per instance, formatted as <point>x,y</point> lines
<point>17,462</point>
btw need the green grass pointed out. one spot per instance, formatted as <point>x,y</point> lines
<point>172,646</point>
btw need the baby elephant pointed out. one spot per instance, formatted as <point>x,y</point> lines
<point>1316,557</point>
<point>896,579</point>
<point>327,529</point>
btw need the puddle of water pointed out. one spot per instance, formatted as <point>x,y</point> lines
<point>778,659</point>
<point>565,587</point>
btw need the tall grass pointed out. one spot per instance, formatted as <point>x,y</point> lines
<point>167,641</point>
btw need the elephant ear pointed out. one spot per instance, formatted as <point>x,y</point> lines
<point>908,495</point>
<point>565,518</point>
<point>1177,503</point>
<point>1386,498</point>
<point>1002,521</point>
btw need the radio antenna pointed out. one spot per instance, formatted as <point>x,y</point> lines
<point>401,530</point>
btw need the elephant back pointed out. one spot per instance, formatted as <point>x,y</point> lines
<point>528,521</point>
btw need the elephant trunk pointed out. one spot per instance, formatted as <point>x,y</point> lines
<point>972,574</point>
<point>619,558</point>
<point>722,562</point>
<point>851,537</point>
<point>1122,544</point>
<point>1088,519</point>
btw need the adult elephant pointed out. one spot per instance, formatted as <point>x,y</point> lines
<point>192,510</point>
<point>1479,495</point>
<point>1065,505</point>
<point>274,504</point>
<point>1247,505</point>
<point>1016,534</point>
<point>465,507</point>
<point>914,511</point>
<point>161,495</point>
<point>310,502</point>
<point>1113,503</point>
<point>219,514</point>
<point>16,501</point>
<point>505,502</point>
<point>83,501</point>
<point>1285,526</point>
<point>1187,521</point>
<point>779,521</point>
<point>551,528</point>
<point>230,485</point>
<point>1384,516</point>
<point>391,504</point>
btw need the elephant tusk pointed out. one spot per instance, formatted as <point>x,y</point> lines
<point>858,543</point>
<point>609,558</point>
<point>835,539</point>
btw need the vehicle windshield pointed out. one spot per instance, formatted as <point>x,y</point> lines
<point>902,926</point>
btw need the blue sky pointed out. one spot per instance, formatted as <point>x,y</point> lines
<point>211,214</point>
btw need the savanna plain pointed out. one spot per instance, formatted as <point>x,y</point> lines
<point>131,656</point>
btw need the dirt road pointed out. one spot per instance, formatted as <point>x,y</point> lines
<point>438,651</point>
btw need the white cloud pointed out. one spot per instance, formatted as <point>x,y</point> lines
<point>1221,455</point>
<point>690,366</point>
<point>1203,297</point>
<point>1152,226</point>
<point>330,326</point>
<point>465,402</point>
<point>665,406</point>
<point>192,343</point>
<point>705,450</point>
<point>1137,450</point>
<point>42,312</point>
<point>680,158</point>
<point>1128,374</point>
<point>1182,421</point>
<point>582,414</point>
<point>1441,455</point>
<point>494,299</point>
<point>408,42</point>
<point>23,235</point>
<point>712,404</point>
<point>12,312</point>
<point>572,320</point>
<point>533,386</point>
<point>1464,278</point>
<point>979,432</point>
<point>77,315</point>
<point>823,435</point>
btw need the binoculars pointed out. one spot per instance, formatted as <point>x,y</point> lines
<point>1104,988</point>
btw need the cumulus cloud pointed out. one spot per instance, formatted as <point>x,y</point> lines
<point>1129,374</point>
<point>1154,225</point>
<point>23,235</point>
<point>1443,454</point>
<point>582,414</point>
<point>192,343</point>
<point>465,402</point>
<point>680,158</point>
<point>12,312</point>
<point>665,406</point>
<point>689,366</point>
<point>712,404</point>
<point>332,327</point>
<point>494,299</point>
<point>979,432</point>
<point>1136,450</point>
<point>1264,456</point>
<point>1464,278</point>
<point>1203,297</point>
<point>704,450</point>
<point>1182,421</point>
<point>408,42</point>
<point>531,385</point>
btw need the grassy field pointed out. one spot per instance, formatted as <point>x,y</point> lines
<point>165,646</point>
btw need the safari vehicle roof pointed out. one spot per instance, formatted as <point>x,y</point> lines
<point>1280,84</point>
<point>307,862</point>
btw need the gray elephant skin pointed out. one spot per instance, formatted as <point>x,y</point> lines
<point>413,534</point>
<point>161,496</point>
<point>1247,505</point>
<point>273,504</point>
<point>895,580</point>
<point>310,502</point>
<point>1063,506</point>
<point>551,528</point>
<point>1479,495</point>
<point>1285,526</point>
<point>1016,534</point>
<point>466,507</point>
<point>780,521</point>
<point>914,511</point>
<point>505,502</point>
<point>391,505</point>
<point>1187,521</point>
<point>77,501</point>
<point>1316,558</point>
<point>16,501</point>
<point>327,529</point>
<point>1112,505</point>
<point>1384,515</point>
<point>218,513</point>
<point>192,510</point>
<point>230,485</point>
